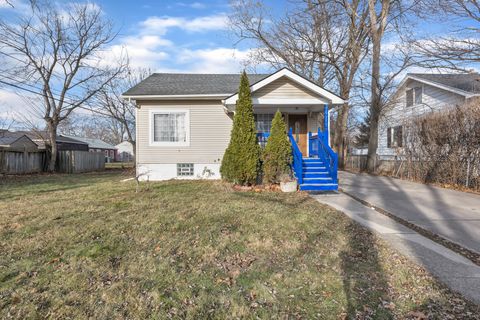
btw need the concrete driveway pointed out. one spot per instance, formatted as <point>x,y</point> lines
<point>451,214</point>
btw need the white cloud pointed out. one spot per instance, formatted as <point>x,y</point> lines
<point>14,4</point>
<point>198,5</point>
<point>160,25</point>
<point>145,51</point>
<point>149,47</point>
<point>217,60</point>
<point>194,5</point>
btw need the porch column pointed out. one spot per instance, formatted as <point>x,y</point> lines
<point>326,124</point>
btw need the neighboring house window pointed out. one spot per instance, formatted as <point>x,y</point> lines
<point>418,92</point>
<point>184,169</point>
<point>106,153</point>
<point>263,122</point>
<point>170,127</point>
<point>111,153</point>
<point>414,96</point>
<point>395,137</point>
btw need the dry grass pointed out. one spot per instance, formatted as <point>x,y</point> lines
<point>87,246</point>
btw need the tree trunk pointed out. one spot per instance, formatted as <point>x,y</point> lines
<point>340,133</point>
<point>375,106</point>
<point>52,137</point>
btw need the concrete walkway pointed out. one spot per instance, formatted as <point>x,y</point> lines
<point>457,272</point>
<point>454,215</point>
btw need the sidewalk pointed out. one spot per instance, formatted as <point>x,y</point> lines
<point>457,272</point>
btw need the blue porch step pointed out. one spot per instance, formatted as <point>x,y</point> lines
<point>316,176</point>
<point>314,169</point>
<point>320,174</point>
<point>319,187</point>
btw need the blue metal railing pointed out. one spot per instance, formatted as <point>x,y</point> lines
<point>312,145</point>
<point>318,147</point>
<point>297,163</point>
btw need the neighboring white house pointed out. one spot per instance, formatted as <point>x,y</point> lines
<point>124,152</point>
<point>183,121</point>
<point>418,94</point>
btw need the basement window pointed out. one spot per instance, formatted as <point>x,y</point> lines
<point>184,169</point>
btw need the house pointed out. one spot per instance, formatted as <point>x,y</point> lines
<point>16,141</point>
<point>183,124</point>
<point>63,143</point>
<point>124,152</point>
<point>417,95</point>
<point>97,145</point>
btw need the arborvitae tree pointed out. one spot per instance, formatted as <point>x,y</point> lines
<point>277,156</point>
<point>241,161</point>
<point>361,140</point>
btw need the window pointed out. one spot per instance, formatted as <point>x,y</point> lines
<point>170,127</point>
<point>184,169</point>
<point>414,96</point>
<point>395,137</point>
<point>106,153</point>
<point>263,122</point>
<point>418,95</point>
<point>409,97</point>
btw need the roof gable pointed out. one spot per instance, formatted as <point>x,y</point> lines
<point>284,87</point>
<point>320,95</point>
<point>467,85</point>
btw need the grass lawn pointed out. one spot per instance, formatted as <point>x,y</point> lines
<point>88,246</point>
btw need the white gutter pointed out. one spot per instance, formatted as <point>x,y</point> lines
<point>177,97</point>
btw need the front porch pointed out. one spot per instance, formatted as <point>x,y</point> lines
<point>305,107</point>
<point>315,164</point>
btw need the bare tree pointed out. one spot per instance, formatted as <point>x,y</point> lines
<point>8,2</point>
<point>59,49</point>
<point>378,25</point>
<point>5,124</point>
<point>294,40</point>
<point>460,47</point>
<point>109,103</point>
<point>326,41</point>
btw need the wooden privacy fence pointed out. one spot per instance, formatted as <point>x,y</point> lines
<point>17,162</point>
<point>80,161</point>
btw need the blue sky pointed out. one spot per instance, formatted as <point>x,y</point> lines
<point>181,36</point>
<point>178,36</point>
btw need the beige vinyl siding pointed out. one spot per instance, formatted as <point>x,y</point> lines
<point>209,133</point>
<point>284,88</point>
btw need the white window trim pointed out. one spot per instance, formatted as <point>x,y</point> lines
<point>153,143</point>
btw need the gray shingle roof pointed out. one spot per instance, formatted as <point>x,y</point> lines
<point>9,137</point>
<point>190,84</point>
<point>92,143</point>
<point>469,82</point>
<point>39,137</point>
